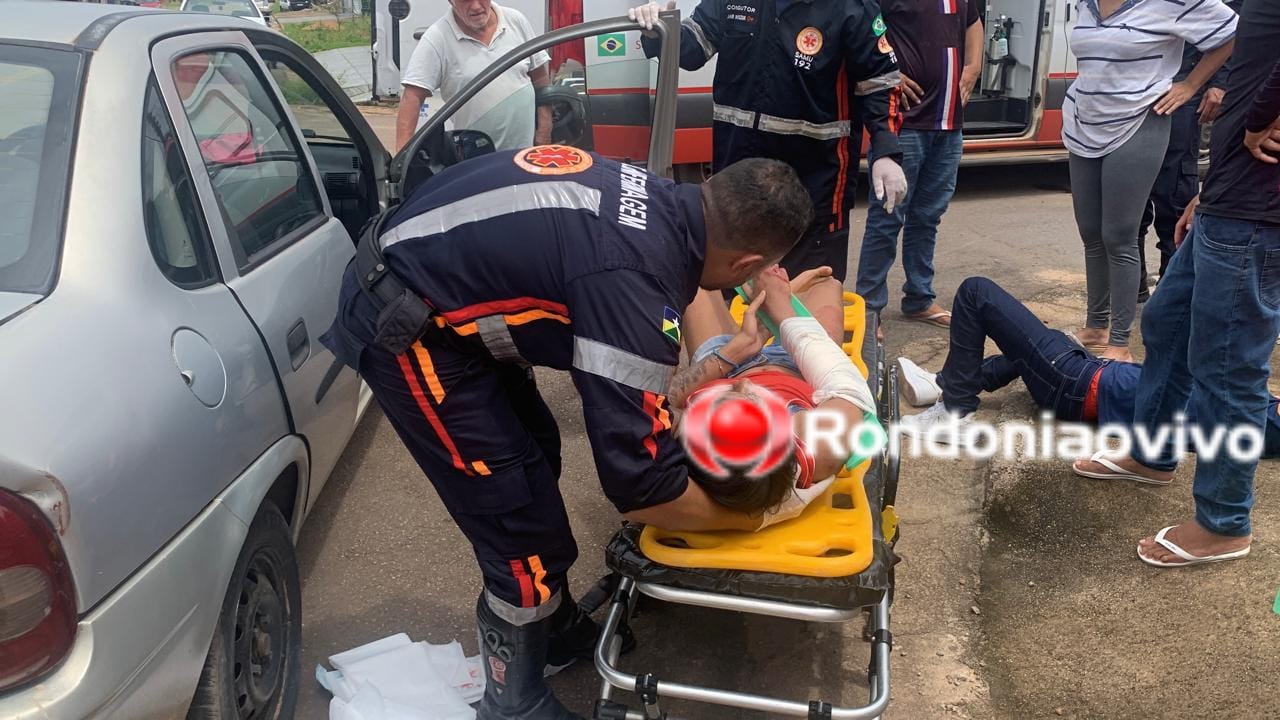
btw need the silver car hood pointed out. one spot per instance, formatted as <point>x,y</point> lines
<point>12,303</point>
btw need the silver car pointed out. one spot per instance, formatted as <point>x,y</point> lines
<point>179,193</point>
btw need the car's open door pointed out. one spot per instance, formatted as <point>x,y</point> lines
<point>474,120</point>
<point>351,159</point>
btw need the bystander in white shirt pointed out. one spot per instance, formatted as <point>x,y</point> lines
<point>446,59</point>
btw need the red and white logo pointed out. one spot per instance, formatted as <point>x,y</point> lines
<point>723,433</point>
<point>553,160</point>
<point>809,41</point>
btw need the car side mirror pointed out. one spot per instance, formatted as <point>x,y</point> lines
<point>570,115</point>
<point>442,149</point>
<point>468,144</point>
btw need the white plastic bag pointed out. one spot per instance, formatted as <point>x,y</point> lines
<point>397,679</point>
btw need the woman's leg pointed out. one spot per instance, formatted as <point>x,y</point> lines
<point>1128,174</point>
<point>1086,199</point>
<point>706,317</point>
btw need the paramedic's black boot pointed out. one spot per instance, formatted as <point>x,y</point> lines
<point>574,636</point>
<point>513,657</point>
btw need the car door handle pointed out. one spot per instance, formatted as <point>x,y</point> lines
<point>299,344</point>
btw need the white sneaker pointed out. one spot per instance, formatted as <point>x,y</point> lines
<point>950,426</point>
<point>918,385</point>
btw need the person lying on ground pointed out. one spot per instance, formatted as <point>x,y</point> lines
<point>806,368</point>
<point>1059,373</point>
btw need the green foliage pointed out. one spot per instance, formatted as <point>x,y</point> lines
<point>329,34</point>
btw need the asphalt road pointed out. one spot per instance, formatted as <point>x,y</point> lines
<point>1018,595</point>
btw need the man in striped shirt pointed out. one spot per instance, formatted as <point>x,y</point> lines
<point>938,44</point>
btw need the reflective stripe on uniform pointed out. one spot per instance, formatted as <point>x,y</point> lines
<point>817,131</point>
<point>876,84</point>
<point>707,48</point>
<point>522,615</point>
<point>780,125</point>
<point>555,195</point>
<point>497,339</point>
<point>620,366</point>
<point>733,116</point>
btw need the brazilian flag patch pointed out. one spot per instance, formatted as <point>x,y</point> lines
<point>612,45</point>
<point>877,25</point>
<point>671,324</point>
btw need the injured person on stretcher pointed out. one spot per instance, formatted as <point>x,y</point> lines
<point>805,368</point>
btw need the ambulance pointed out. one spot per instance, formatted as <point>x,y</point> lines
<point>1013,116</point>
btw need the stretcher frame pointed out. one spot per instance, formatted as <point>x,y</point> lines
<point>650,689</point>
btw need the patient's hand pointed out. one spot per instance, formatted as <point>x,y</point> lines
<point>777,288</point>
<point>809,278</point>
<point>751,337</point>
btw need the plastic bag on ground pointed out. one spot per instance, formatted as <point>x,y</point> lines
<point>397,679</point>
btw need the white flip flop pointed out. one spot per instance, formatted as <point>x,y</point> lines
<point>1188,558</point>
<point>1117,472</point>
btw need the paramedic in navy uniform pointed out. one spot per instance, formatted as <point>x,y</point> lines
<point>551,256</point>
<point>797,81</point>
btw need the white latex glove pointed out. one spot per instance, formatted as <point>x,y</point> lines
<point>795,504</point>
<point>889,182</point>
<point>647,15</point>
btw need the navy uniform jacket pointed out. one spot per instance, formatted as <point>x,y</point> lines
<point>799,86</point>
<point>558,258</point>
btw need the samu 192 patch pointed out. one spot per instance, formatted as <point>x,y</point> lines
<point>671,324</point>
<point>878,26</point>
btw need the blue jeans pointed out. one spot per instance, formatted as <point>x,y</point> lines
<point>929,160</point>
<point>1056,371</point>
<point>1211,325</point>
<point>773,354</point>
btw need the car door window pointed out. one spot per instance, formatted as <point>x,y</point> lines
<point>171,208</point>
<point>348,182</point>
<point>264,185</point>
<point>313,114</point>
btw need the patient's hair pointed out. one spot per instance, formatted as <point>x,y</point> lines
<point>744,493</point>
<point>761,206</point>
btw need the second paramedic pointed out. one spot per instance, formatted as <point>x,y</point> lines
<point>798,81</point>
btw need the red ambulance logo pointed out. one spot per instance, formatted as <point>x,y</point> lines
<point>809,41</point>
<point>553,160</point>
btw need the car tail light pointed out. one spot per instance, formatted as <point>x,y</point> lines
<point>37,597</point>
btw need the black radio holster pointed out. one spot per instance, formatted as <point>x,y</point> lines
<point>403,316</point>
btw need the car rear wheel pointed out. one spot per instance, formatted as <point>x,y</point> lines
<point>253,666</point>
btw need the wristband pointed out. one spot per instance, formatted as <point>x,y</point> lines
<point>733,367</point>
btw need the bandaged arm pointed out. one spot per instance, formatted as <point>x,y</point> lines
<point>824,365</point>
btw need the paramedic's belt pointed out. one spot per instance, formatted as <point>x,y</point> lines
<point>402,316</point>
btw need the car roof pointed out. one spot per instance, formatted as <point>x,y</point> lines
<point>86,24</point>
<point>55,21</point>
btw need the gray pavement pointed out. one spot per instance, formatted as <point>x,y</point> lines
<point>1067,624</point>
<point>353,69</point>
